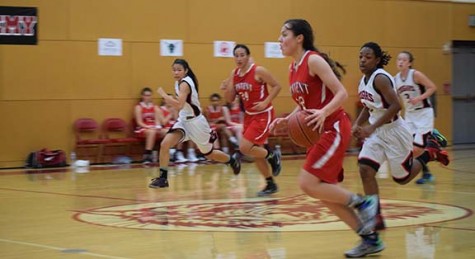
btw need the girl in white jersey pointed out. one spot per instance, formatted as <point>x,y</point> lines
<point>191,124</point>
<point>387,137</point>
<point>415,88</point>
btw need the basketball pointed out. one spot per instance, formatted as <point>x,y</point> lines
<point>301,134</point>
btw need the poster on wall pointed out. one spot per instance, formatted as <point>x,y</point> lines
<point>109,47</point>
<point>173,48</point>
<point>272,50</point>
<point>18,25</point>
<point>224,49</point>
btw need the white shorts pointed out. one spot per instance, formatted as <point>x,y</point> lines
<point>421,122</point>
<point>198,131</point>
<point>391,142</point>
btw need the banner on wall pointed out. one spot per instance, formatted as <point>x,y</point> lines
<point>224,49</point>
<point>172,48</point>
<point>109,47</point>
<point>18,25</point>
<point>272,50</point>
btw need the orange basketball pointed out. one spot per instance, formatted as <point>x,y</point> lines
<point>299,132</point>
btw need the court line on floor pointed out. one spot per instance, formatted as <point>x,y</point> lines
<point>58,248</point>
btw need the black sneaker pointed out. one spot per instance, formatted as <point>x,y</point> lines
<point>236,164</point>
<point>275,162</point>
<point>147,159</point>
<point>159,182</point>
<point>271,188</point>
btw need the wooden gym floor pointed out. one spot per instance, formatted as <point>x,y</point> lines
<point>108,212</point>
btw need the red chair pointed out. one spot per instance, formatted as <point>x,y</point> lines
<point>89,142</point>
<point>117,131</point>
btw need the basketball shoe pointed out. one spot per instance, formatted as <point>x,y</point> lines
<point>439,137</point>
<point>159,182</point>
<point>436,153</point>
<point>270,188</point>
<point>235,163</point>
<point>367,211</point>
<point>274,160</point>
<point>369,244</point>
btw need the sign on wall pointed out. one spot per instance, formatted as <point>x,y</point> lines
<point>18,25</point>
<point>109,47</point>
<point>172,48</point>
<point>272,50</point>
<point>224,49</point>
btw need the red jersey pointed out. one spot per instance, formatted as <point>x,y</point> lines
<point>249,89</point>
<point>308,91</point>
<point>148,113</point>
<point>165,112</point>
<point>235,113</point>
<point>214,113</point>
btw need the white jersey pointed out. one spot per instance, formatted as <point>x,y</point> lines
<point>409,89</point>
<point>192,106</point>
<point>371,98</point>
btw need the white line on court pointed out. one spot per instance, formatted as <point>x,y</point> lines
<point>58,248</point>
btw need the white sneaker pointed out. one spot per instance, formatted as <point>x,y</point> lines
<point>192,157</point>
<point>180,158</point>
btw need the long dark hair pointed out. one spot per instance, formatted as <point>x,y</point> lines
<point>379,53</point>
<point>302,27</point>
<point>190,72</point>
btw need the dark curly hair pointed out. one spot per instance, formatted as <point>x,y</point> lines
<point>379,53</point>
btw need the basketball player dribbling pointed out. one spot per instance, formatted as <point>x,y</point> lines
<point>249,81</point>
<point>415,89</point>
<point>191,124</point>
<point>387,137</point>
<point>315,87</point>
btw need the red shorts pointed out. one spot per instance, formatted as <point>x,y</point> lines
<point>256,126</point>
<point>325,158</point>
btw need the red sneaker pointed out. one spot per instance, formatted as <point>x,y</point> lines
<point>436,153</point>
<point>380,225</point>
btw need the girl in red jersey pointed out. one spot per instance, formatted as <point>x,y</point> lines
<point>148,118</point>
<point>218,117</point>
<point>315,87</point>
<point>250,81</point>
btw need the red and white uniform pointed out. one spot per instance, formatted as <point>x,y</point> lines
<point>325,158</point>
<point>166,112</point>
<point>236,114</point>
<point>148,117</point>
<point>215,113</point>
<point>256,123</point>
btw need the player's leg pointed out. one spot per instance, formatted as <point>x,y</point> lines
<point>150,136</point>
<point>171,139</point>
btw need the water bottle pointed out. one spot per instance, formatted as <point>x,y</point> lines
<point>73,158</point>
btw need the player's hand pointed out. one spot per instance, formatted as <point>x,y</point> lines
<point>162,93</point>
<point>275,123</point>
<point>317,118</point>
<point>366,131</point>
<point>224,84</point>
<point>356,131</point>
<point>260,106</point>
<point>415,100</point>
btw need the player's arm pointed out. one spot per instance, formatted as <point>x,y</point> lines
<point>263,75</point>
<point>138,117</point>
<point>159,116</point>
<point>318,66</point>
<point>422,79</point>
<point>178,103</point>
<point>228,88</point>
<point>384,86</point>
